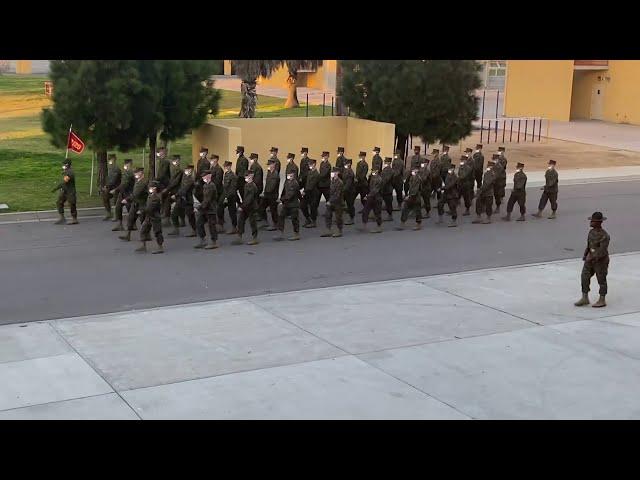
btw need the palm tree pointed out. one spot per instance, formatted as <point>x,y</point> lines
<point>249,71</point>
<point>294,66</point>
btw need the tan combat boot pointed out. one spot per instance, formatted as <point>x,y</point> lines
<point>253,241</point>
<point>583,301</point>
<point>74,220</point>
<point>158,249</point>
<point>521,218</point>
<point>453,223</point>
<point>552,216</point>
<point>126,237</point>
<point>294,237</point>
<point>537,215</point>
<point>211,246</point>
<point>478,219</point>
<point>192,234</point>
<point>350,221</point>
<point>401,226</point>
<point>142,248</point>
<point>600,302</point>
<point>200,244</point>
<point>487,220</point>
<point>338,233</point>
<point>418,226</point>
<point>118,227</point>
<point>507,217</point>
<point>60,221</point>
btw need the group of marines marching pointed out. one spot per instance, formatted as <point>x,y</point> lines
<point>248,193</point>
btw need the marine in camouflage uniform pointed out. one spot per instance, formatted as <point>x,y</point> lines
<point>137,201</point>
<point>501,178</point>
<point>202,165</point>
<point>269,198</point>
<point>67,193</point>
<point>425,185</point>
<point>258,174</point>
<point>465,181</point>
<point>217,173</point>
<point>289,207</point>
<point>335,205</point>
<point>273,155</point>
<point>435,167</point>
<point>114,177</point>
<point>184,203</point>
<point>340,159</point>
<point>207,211</point>
<point>248,210</point>
<point>398,176</point>
<point>362,183</point>
<point>412,201</point>
<point>348,179</point>
<point>478,165</point>
<point>291,166</point>
<point>152,219</point>
<point>373,201</point>
<point>228,198</point>
<point>387,188</point>
<point>171,189</point>
<point>376,161</point>
<point>484,198</point>
<point>450,197</point>
<point>163,176</point>
<point>550,191</point>
<point>415,161</point>
<point>310,196</point>
<point>123,191</point>
<point>304,167</point>
<point>324,183</point>
<point>518,194</point>
<point>596,261</point>
<point>445,162</point>
<point>242,165</point>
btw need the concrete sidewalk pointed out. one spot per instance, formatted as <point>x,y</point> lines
<point>491,344</point>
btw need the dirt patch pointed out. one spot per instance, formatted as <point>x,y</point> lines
<point>535,155</point>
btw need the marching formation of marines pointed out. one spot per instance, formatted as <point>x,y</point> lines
<point>227,197</point>
<point>233,198</point>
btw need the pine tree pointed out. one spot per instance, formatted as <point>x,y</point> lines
<point>434,99</point>
<point>96,96</point>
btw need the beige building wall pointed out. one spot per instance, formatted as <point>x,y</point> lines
<point>219,139</point>
<point>621,84</point>
<point>258,135</point>
<point>539,88</point>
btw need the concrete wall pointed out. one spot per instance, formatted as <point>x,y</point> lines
<point>622,91</point>
<point>219,139</point>
<point>540,88</point>
<point>258,135</point>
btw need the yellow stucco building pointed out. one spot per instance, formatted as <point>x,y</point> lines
<point>566,90</point>
<point>321,78</point>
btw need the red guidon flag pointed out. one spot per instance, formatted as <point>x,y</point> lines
<point>74,143</point>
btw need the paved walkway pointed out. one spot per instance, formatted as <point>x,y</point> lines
<point>491,344</point>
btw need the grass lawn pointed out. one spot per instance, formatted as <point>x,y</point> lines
<point>30,167</point>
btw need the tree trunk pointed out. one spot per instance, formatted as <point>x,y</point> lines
<point>401,141</point>
<point>102,167</point>
<point>249,99</point>
<point>292,98</point>
<point>152,155</point>
<point>340,109</point>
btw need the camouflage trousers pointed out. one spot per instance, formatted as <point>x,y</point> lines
<point>600,269</point>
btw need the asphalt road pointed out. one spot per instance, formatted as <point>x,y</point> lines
<point>49,271</point>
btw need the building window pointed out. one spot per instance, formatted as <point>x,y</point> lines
<point>497,68</point>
